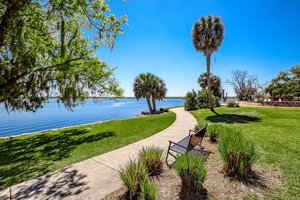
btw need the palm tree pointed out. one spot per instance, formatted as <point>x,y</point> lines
<point>147,85</point>
<point>143,87</point>
<point>159,91</point>
<point>215,83</point>
<point>207,35</point>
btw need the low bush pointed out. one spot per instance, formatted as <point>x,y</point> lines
<point>151,157</point>
<point>237,153</point>
<point>203,101</point>
<point>191,169</point>
<point>148,190</point>
<point>196,100</point>
<point>232,104</point>
<point>132,175</point>
<point>191,102</point>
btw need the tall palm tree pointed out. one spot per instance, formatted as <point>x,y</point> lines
<point>159,91</point>
<point>207,36</point>
<point>143,87</point>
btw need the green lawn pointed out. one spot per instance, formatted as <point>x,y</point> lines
<point>29,156</point>
<point>275,131</point>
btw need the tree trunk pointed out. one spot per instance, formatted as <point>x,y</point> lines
<point>62,37</point>
<point>208,82</point>
<point>149,104</point>
<point>154,104</point>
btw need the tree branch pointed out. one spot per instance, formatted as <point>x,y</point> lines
<point>13,80</point>
<point>10,13</point>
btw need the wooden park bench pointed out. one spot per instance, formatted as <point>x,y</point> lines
<point>191,143</point>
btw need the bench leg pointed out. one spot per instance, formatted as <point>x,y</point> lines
<point>168,155</point>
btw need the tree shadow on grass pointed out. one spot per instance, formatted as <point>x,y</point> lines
<point>23,159</point>
<point>233,118</point>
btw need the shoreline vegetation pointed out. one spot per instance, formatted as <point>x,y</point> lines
<point>29,156</point>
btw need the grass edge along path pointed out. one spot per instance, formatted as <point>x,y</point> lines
<point>275,132</point>
<point>29,156</point>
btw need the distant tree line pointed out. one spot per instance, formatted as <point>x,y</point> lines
<point>247,87</point>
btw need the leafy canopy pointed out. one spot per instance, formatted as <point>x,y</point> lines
<point>47,49</point>
<point>286,84</point>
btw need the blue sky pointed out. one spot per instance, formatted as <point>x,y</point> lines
<point>262,37</point>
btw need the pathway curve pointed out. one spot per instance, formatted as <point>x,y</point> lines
<point>96,177</point>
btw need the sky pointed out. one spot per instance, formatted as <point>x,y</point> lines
<point>261,36</point>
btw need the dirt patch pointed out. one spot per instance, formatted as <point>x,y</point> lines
<point>216,185</point>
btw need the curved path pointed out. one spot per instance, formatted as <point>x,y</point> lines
<point>96,177</point>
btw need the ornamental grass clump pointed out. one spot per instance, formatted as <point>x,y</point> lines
<point>148,190</point>
<point>237,153</point>
<point>192,171</point>
<point>214,130</point>
<point>151,157</point>
<point>132,175</point>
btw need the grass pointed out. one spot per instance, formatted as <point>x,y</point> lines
<point>132,175</point>
<point>148,190</point>
<point>191,169</point>
<point>237,153</point>
<point>151,157</point>
<point>276,133</point>
<point>29,156</point>
<point>167,109</point>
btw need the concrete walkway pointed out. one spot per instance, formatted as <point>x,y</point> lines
<point>96,177</point>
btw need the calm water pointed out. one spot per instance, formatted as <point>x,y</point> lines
<point>53,116</point>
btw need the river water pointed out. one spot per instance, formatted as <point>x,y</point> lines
<point>54,116</point>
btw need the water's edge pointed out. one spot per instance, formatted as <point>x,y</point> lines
<point>52,117</point>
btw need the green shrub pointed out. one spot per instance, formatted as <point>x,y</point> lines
<point>196,100</point>
<point>191,169</point>
<point>232,104</point>
<point>237,153</point>
<point>190,102</point>
<point>132,176</point>
<point>202,100</point>
<point>148,190</point>
<point>151,157</point>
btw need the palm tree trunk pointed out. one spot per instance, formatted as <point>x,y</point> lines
<point>149,105</point>
<point>154,104</point>
<point>208,82</point>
